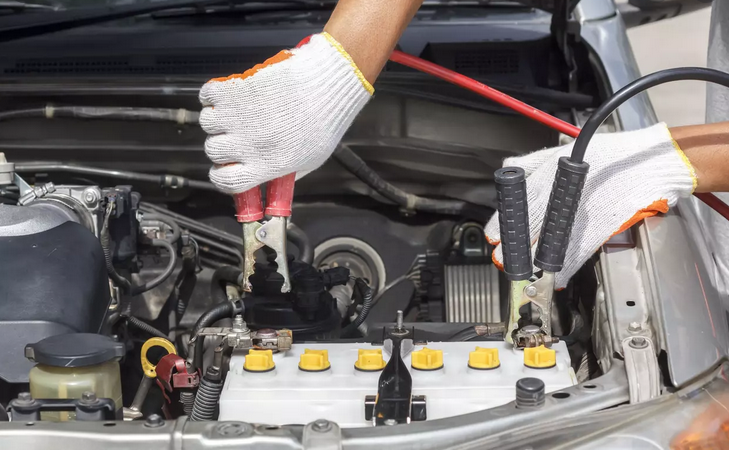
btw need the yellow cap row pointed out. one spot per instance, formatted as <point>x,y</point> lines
<point>371,360</point>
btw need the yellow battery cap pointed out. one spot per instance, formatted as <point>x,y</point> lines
<point>314,360</point>
<point>484,358</point>
<point>259,361</point>
<point>427,359</point>
<point>540,357</point>
<point>369,360</point>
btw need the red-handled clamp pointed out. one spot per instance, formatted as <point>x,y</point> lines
<point>272,233</point>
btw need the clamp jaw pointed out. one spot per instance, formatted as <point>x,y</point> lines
<point>517,256</point>
<point>272,233</point>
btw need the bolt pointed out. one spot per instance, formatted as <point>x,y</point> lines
<point>530,291</point>
<point>390,422</point>
<point>88,397</point>
<point>25,397</point>
<point>399,320</point>
<point>90,196</point>
<point>261,234</point>
<point>154,421</point>
<point>239,323</point>
<point>233,429</point>
<point>634,327</point>
<point>639,342</point>
<point>321,426</point>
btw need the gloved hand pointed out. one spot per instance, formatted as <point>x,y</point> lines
<point>285,115</point>
<point>633,175</point>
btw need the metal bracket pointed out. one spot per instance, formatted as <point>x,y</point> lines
<point>641,366</point>
<point>418,408</point>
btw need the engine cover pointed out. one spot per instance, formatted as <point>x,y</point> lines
<point>52,281</point>
<point>288,395</point>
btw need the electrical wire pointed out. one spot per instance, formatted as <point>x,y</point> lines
<point>635,88</point>
<point>479,88</point>
<point>595,120</point>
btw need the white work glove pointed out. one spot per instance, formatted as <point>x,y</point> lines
<point>633,175</point>
<point>285,115</point>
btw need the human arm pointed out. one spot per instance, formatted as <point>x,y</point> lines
<point>289,113</point>
<point>707,147</point>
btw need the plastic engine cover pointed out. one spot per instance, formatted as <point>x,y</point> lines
<point>288,395</point>
<point>52,281</point>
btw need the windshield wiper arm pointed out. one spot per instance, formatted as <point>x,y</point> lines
<point>24,26</point>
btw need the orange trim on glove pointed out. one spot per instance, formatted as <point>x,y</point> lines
<point>659,206</point>
<point>283,55</point>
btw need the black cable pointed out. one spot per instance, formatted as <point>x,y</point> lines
<point>354,164</point>
<point>225,310</point>
<point>144,326</point>
<point>635,88</point>
<point>176,232</point>
<point>136,290</point>
<point>362,295</point>
<point>124,284</point>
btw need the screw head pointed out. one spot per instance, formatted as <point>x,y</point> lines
<point>25,396</point>
<point>261,234</point>
<point>638,342</point>
<point>154,421</point>
<point>321,425</point>
<point>530,291</point>
<point>88,397</point>
<point>634,327</point>
<point>90,196</point>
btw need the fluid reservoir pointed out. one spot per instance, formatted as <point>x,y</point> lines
<point>71,364</point>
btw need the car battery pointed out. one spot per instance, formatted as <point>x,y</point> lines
<point>334,381</point>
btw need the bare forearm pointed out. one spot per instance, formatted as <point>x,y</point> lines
<point>707,147</point>
<point>369,30</point>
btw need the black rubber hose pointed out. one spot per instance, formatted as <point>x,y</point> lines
<point>298,237</point>
<point>354,164</point>
<point>221,277</point>
<point>206,399</point>
<point>136,290</point>
<point>144,326</point>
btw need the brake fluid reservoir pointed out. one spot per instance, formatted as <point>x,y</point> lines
<point>70,364</point>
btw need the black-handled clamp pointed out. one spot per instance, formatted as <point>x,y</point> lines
<point>516,248</point>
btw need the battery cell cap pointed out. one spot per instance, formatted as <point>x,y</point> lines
<point>484,358</point>
<point>259,361</point>
<point>427,359</point>
<point>369,360</point>
<point>540,357</point>
<point>314,360</point>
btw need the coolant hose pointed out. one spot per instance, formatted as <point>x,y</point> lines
<point>354,164</point>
